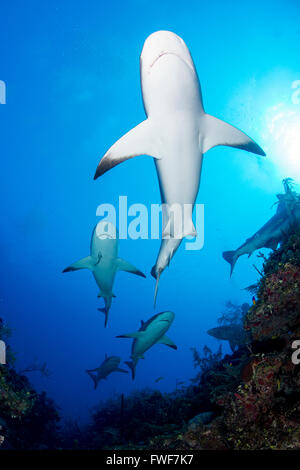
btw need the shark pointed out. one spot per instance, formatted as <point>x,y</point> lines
<point>272,232</point>
<point>104,262</point>
<point>177,132</point>
<point>151,332</point>
<point>109,365</point>
<point>234,334</point>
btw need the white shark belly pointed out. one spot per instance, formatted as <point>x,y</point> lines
<point>104,275</point>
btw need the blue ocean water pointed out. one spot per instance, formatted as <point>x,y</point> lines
<point>73,88</point>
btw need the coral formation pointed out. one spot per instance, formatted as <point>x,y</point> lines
<point>247,400</point>
<point>28,420</point>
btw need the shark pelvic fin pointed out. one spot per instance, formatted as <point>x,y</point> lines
<point>216,132</point>
<point>84,263</point>
<point>122,265</point>
<point>138,141</point>
<point>167,341</point>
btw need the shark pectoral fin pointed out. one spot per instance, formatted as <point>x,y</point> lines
<point>122,370</point>
<point>135,335</point>
<point>232,345</point>
<point>122,265</point>
<point>216,132</point>
<point>84,263</point>
<point>138,141</point>
<point>167,341</point>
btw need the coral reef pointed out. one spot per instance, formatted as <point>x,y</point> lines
<point>28,420</point>
<point>262,408</point>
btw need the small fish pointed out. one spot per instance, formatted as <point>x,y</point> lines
<point>253,300</point>
<point>158,379</point>
<point>278,384</point>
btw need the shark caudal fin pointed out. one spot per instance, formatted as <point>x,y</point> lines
<point>132,367</point>
<point>216,132</point>
<point>106,312</point>
<point>230,257</point>
<point>139,141</point>
<point>157,277</point>
<point>93,377</point>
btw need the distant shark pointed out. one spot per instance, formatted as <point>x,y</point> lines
<point>104,262</point>
<point>176,133</point>
<point>150,333</point>
<point>273,232</point>
<point>234,334</point>
<point>109,365</point>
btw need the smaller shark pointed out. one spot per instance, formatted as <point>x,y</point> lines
<point>109,365</point>
<point>104,262</point>
<point>151,332</point>
<point>272,233</point>
<point>234,334</point>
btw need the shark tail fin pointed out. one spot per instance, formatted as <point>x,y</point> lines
<point>84,263</point>
<point>105,311</point>
<point>93,377</point>
<point>230,257</point>
<point>131,366</point>
<point>156,287</point>
<point>217,132</point>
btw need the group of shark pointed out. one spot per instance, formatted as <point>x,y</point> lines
<point>177,132</point>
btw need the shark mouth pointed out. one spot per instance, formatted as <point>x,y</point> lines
<point>104,236</point>
<point>163,53</point>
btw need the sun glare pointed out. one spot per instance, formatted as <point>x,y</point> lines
<point>283,129</point>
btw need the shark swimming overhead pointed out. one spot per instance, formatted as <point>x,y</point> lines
<point>109,365</point>
<point>176,133</point>
<point>104,262</point>
<point>150,333</point>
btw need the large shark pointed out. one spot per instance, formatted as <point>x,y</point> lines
<point>176,133</point>
<point>273,232</point>
<point>104,262</point>
<point>151,332</point>
<point>109,365</point>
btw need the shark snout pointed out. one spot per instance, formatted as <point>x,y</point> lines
<point>167,317</point>
<point>160,44</point>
